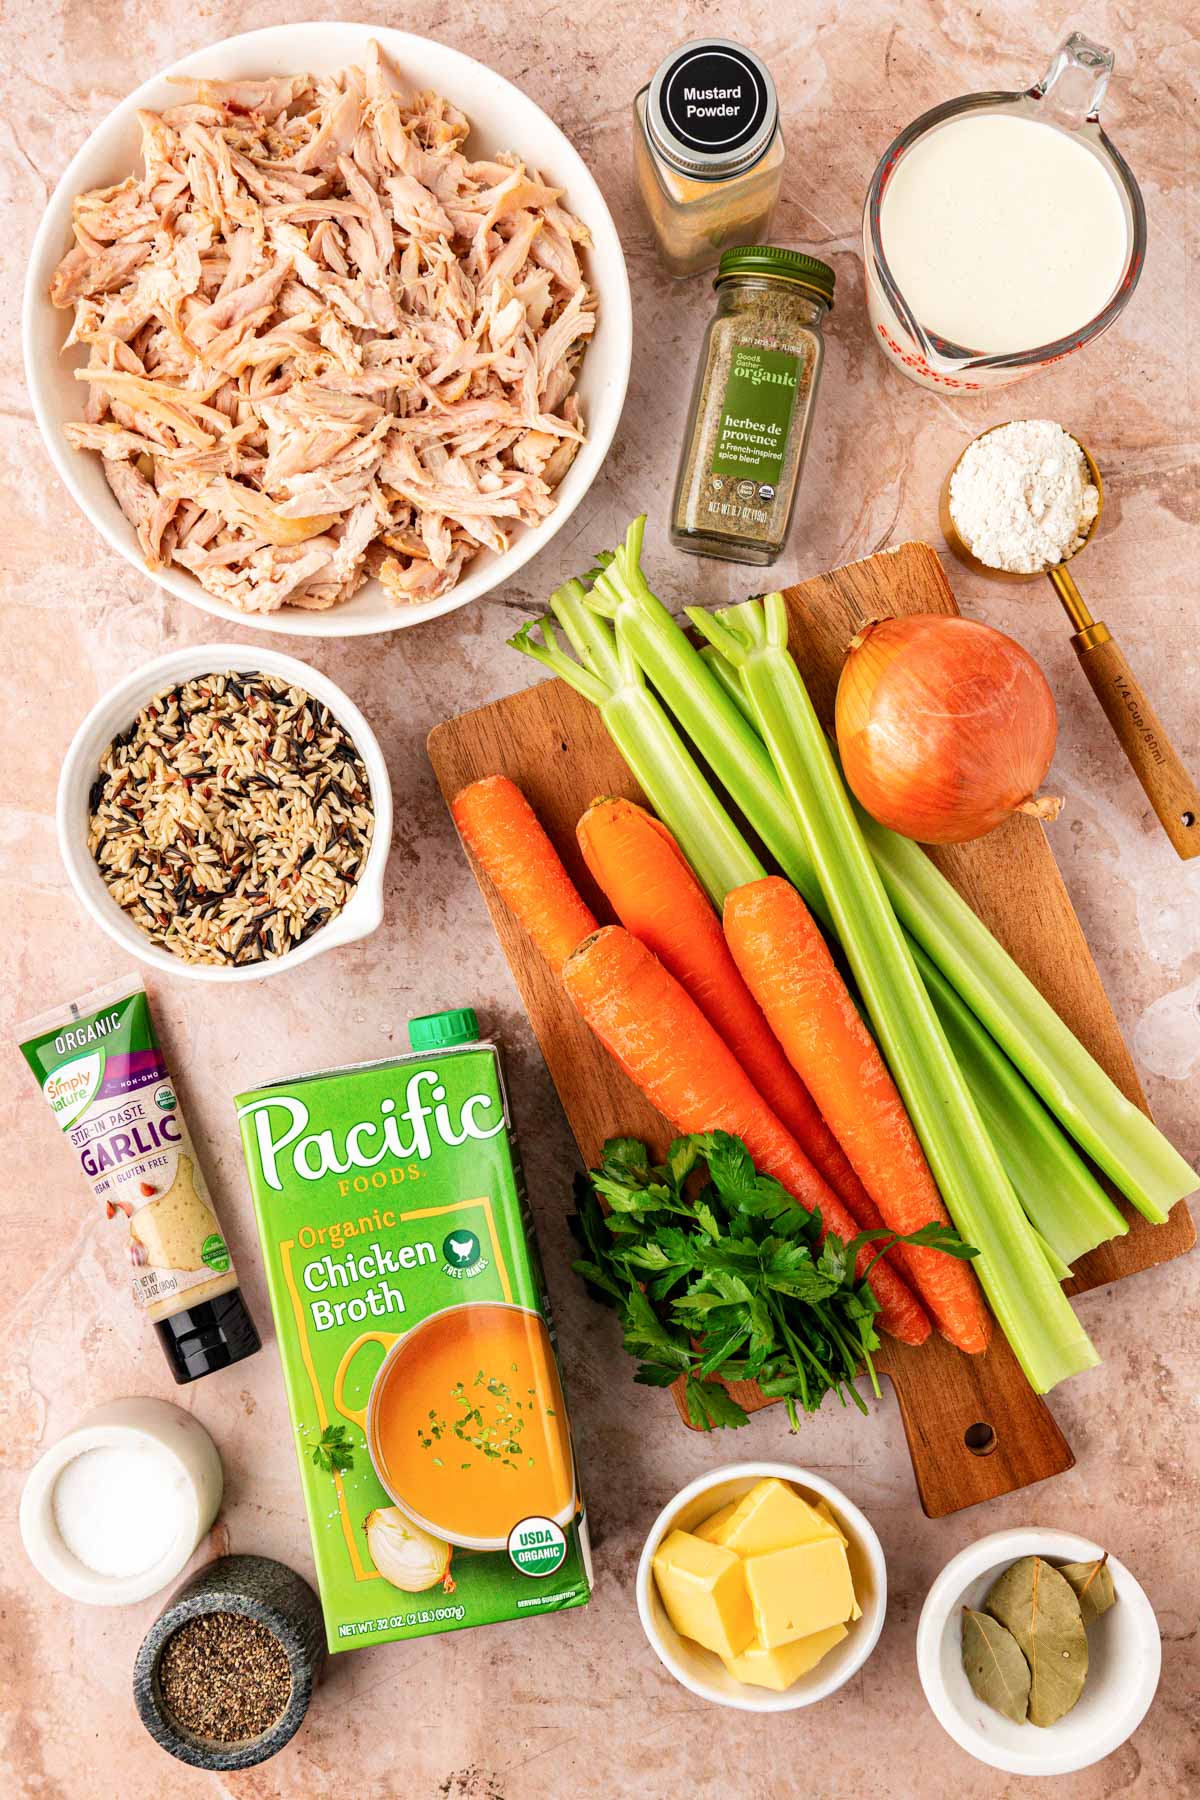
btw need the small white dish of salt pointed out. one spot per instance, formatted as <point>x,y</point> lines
<point>114,1510</point>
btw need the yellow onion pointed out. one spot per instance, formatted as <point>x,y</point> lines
<point>410,1558</point>
<point>945,727</point>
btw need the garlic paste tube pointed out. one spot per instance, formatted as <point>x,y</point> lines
<point>102,1072</point>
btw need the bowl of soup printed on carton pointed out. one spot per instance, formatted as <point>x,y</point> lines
<point>419,1360</point>
<point>704,1510</point>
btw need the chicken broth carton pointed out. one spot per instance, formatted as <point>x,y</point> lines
<point>416,1341</point>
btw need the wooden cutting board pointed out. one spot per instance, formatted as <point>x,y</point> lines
<point>974,1428</point>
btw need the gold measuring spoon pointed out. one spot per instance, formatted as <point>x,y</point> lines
<point>1167,785</point>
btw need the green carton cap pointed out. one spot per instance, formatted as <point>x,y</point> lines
<point>439,1031</point>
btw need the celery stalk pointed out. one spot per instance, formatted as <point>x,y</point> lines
<point>727,675</point>
<point>1062,1198</point>
<point>1028,1303</point>
<point>1117,1135</point>
<point>608,675</point>
<point>699,702</point>
<point>1054,1261</point>
<point>711,712</point>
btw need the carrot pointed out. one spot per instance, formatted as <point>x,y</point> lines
<point>670,1051</point>
<point>641,870</point>
<point>501,830</point>
<point>791,974</point>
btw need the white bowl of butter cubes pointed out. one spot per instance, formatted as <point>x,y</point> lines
<point>762,1587</point>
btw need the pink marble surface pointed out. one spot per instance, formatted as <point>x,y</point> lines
<point>578,1704</point>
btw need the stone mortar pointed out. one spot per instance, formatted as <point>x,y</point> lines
<point>258,1588</point>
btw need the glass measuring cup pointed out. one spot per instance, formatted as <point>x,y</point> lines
<point>1067,97</point>
<point>1165,781</point>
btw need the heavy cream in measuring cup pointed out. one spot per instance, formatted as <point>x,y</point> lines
<point>1003,234</point>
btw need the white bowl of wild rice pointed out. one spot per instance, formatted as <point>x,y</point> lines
<point>225,813</point>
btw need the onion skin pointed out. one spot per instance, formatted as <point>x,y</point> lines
<point>945,727</point>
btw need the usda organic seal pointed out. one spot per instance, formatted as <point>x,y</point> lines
<point>536,1546</point>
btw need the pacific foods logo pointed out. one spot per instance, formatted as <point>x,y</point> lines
<point>281,1124</point>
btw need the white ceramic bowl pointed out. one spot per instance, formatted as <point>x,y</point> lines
<point>118,708</point>
<point>502,118</point>
<point>145,1427</point>
<point>1124,1658</point>
<point>698,1669</point>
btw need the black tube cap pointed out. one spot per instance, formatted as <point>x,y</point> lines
<point>208,1336</point>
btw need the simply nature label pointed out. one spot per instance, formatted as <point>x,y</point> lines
<point>411,1314</point>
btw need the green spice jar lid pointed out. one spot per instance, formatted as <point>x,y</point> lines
<point>774,264</point>
<point>442,1030</point>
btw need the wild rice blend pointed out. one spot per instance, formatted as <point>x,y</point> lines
<point>232,819</point>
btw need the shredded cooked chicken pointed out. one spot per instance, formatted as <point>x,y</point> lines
<point>324,343</point>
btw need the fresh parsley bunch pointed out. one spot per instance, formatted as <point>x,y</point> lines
<point>726,1276</point>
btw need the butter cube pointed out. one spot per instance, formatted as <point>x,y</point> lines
<point>780,1667</point>
<point>827,1513</point>
<point>799,1591</point>
<point>703,1590</point>
<point>710,1528</point>
<point>772,1516</point>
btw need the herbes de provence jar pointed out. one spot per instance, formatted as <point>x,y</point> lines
<point>752,405</point>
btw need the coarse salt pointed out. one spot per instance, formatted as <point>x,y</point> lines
<point>1020,497</point>
<point>120,1508</point>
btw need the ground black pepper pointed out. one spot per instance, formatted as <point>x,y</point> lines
<point>224,1677</point>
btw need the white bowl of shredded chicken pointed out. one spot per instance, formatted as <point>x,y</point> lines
<point>328,328</point>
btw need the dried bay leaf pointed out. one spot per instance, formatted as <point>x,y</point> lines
<point>995,1666</point>
<point>1039,1606</point>
<point>1093,1585</point>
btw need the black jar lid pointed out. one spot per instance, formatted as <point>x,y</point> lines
<point>208,1336</point>
<point>711,110</point>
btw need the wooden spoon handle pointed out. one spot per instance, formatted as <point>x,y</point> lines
<point>1168,786</point>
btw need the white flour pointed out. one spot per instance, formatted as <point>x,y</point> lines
<point>1021,498</point>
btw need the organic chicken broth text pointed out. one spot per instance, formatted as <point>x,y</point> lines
<point>411,1314</point>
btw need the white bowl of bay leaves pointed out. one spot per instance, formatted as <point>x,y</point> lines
<point>1089,1634</point>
